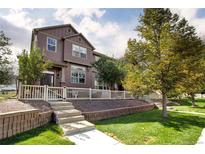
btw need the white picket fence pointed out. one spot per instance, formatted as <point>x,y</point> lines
<point>36,92</point>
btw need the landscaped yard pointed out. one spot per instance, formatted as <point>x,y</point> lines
<point>7,95</point>
<point>49,134</point>
<point>150,128</point>
<point>185,105</point>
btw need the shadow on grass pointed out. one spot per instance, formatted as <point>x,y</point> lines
<point>31,133</point>
<point>177,121</point>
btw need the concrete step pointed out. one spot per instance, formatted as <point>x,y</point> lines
<point>60,103</point>
<point>70,119</point>
<point>67,113</point>
<point>59,108</point>
<point>76,127</point>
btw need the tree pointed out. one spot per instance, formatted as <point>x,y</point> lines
<point>109,71</point>
<point>156,54</point>
<point>193,53</point>
<point>6,72</point>
<point>31,66</point>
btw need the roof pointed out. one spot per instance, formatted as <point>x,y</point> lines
<point>101,54</point>
<point>79,34</point>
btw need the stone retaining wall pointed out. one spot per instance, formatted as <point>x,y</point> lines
<point>106,114</point>
<point>12,123</point>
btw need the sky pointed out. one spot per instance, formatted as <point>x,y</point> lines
<point>107,29</point>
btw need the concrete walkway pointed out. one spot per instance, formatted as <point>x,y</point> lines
<point>93,137</point>
<point>201,140</point>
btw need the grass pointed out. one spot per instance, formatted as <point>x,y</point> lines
<point>49,134</point>
<point>7,95</point>
<point>150,128</point>
<point>185,105</point>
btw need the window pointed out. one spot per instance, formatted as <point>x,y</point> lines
<point>100,85</point>
<point>78,74</point>
<point>51,44</point>
<point>78,51</point>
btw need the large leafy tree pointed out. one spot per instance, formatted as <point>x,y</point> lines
<point>192,50</point>
<point>109,71</point>
<point>6,72</point>
<point>31,66</point>
<point>156,55</point>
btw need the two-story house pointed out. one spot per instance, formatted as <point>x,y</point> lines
<point>71,54</point>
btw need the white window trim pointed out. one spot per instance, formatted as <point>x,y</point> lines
<point>78,77</point>
<point>79,52</point>
<point>48,72</point>
<point>55,45</point>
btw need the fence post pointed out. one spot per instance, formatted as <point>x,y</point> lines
<point>45,93</point>
<point>90,93</point>
<point>110,93</point>
<point>19,90</point>
<point>124,94</point>
<point>64,92</point>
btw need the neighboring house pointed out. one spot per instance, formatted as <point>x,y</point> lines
<point>71,54</point>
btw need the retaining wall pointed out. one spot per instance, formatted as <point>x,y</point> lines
<point>12,123</point>
<point>106,114</point>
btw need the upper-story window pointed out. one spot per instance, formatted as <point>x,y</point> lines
<point>78,74</point>
<point>78,51</point>
<point>51,44</point>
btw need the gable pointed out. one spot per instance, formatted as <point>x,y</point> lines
<point>59,31</point>
<point>80,39</point>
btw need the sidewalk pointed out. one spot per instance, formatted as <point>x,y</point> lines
<point>196,113</point>
<point>93,137</point>
<point>201,140</point>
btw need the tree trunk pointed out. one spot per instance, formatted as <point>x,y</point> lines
<point>164,105</point>
<point>193,100</point>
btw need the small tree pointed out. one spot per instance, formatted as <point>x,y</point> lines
<point>137,81</point>
<point>108,71</point>
<point>31,66</point>
<point>6,72</point>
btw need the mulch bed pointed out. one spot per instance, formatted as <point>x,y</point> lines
<point>12,105</point>
<point>98,105</point>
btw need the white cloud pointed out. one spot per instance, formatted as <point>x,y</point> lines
<point>17,25</point>
<point>108,37</point>
<point>21,18</point>
<point>191,16</point>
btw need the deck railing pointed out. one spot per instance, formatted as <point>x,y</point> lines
<point>35,92</point>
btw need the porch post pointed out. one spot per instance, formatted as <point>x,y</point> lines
<point>90,93</point>
<point>45,93</point>
<point>64,92</point>
<point>19,90</point>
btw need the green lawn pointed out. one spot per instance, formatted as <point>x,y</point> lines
<point>49,134</point>
<point>6,96</point>
<point>150,128</point>
<point>187,106</point>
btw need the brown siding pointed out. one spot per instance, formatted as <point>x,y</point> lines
<point>53,56</point>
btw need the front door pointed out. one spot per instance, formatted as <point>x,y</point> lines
<point>48,79</point>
